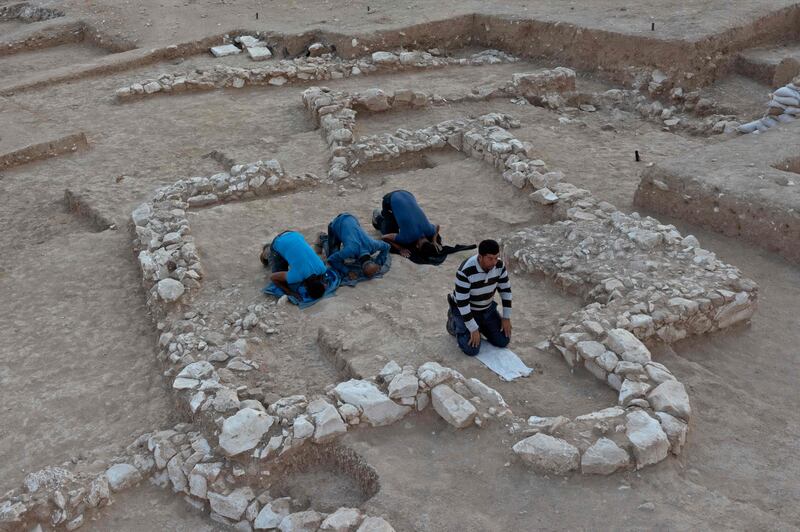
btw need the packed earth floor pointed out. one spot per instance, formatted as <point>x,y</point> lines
<point>124,377</point>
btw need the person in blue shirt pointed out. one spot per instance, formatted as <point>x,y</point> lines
<point>294,261</point>
<point>405,227</point>
<point>349,245</point>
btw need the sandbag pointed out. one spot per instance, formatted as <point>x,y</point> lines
<point>785,118</point>
<point>792,102</point>
<point>773,103</point>
<point>749,127</point>
<point>792,111</point>
<point>768,121</point>
<point>787,92</point>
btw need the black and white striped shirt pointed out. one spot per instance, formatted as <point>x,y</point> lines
<point>475,289</point>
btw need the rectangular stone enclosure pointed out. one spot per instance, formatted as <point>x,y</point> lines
<point>747,187</point>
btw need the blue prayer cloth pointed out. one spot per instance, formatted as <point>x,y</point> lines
<point>303,262</point>
<point>348,242</point>
<point>411,220</point>
<point>331,277</point>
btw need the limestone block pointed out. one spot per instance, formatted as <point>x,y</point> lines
<point>676,431</point>
<point>603,458</point>
<point>121,476</point>
<point>547,424</point>
<point>374,99</point>
<point>224,50</point>
<point>376,406</point>
<point>375,524</point>
<point>272,514</point>
<point>658,373</point>
<point>170,290</point>
<point>403,385</point>
<point>384,58</point>
<point>452,407</point>
<point>606,413</point>
<point>627,346</point>
<point>342,520</point>
<point>544,196</point>
<point>486,393</point>
<point>242,431</point>
<point>670,397</point>
<point>548,455</point>
<point>589,349</point>
<point>232,505</point>
<point>327,420</point>
<point>259,53</point>
<point>631,390</point>
<point>650,443</point>
<point>307,521</point>
<point>302,428</point>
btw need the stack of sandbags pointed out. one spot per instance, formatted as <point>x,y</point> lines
<point>783,107</point>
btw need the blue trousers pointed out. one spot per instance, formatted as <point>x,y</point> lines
<point>489,325</point>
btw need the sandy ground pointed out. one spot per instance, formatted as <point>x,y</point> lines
<point>76,346</point>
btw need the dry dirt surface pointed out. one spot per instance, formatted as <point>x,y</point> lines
<point>79,379</point>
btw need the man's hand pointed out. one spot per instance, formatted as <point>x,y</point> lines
<point>405,253</point>
<point>474,338</point>
<point>505,325</point>
<point>352,275</point>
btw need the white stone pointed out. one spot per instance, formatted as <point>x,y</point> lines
<point>384,58</point>
<point>403,385</point>
<point>486,393</point>
<point>650,443</point>
<point>176,474</point>
<point>671,397</point>
<point>547,424</point>
<point>375,524</point>
<point>589,349</point>
<point>627,346</point>
<point>181,383</point>
<point>675,430</point>
<point>608,361</point>
<point>272,514</point>
<point>658,373</point>
<point>141,215</point>
<point>631,390</point>
<point>242,431</point>
<point>374,100</point>
<point>603,458</point>
<point>327,420</point>
<point>548,455</point>
<point>452,407</point>
<point>152,87</point>
<point>259,53</point>
<point>342,520</point>
<point>603,414</point>
<point>544,196</point>
<point>307,521</point>
<point>376,406</point>
<point>390,371</point>
<point>225,49</point>
<point>232,505</point>
<point>170,290</point>
<point>121,476</point>
<point>302,428</point>
<point>196,370</point>
<point>433,373</point>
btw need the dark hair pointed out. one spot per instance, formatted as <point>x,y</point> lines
<point>315,286</point>
<point>488,247</point>
<point>427,249</point>
<point>263,256</point>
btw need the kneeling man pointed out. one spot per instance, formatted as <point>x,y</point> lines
<point>473,310</point>
<point>350,248</point>
<point>293,261</point>
<point>404,225</point>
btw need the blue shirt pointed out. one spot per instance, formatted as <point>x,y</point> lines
<point>411,220</point>
<point>355,243</point>
<point>303,262</point>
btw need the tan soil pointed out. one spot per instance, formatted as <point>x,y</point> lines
<point>76,349</point>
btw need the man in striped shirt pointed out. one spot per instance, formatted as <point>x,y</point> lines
<point>473,310</point>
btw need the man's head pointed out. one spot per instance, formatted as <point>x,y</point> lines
<point>315,286</point>
<point>368,266</point>
<point>264,256</point>
<point>488,254</point>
